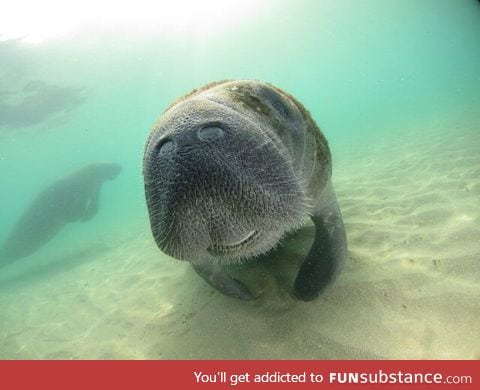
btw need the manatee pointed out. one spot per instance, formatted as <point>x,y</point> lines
<point>229,170</point>
<point>72,198</point>
<point>38,101</point>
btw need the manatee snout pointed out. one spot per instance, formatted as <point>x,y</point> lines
<point>217,190</point>
<point>102,171</point>
<point>111,170</point>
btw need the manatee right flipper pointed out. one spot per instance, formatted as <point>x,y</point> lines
<point>328,252</point>
<point>216,277</point>
<point>92,207</point>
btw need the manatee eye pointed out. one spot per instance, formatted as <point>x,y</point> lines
<point>210,133</point>
<point>165,147</point>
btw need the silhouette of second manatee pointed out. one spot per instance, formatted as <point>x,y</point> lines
<point>72,198</point>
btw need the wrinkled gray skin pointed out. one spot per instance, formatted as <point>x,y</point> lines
<point>232,167</point>
<point>72,198</point>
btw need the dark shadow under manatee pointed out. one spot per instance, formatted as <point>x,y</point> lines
<point>72,198</point>
<point>39,102</point>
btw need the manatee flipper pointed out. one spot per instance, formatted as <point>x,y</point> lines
<point>92,207</point>
<point>216,277</point>
<point>327,254</point>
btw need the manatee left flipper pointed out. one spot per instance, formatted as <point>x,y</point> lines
<point>92,207</point>
<point>216,277</point>
<point>328,252</point>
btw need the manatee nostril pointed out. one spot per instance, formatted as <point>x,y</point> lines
<point>210,133</point>
<point>164,147</point>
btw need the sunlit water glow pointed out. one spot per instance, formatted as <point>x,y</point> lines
<point>34,21</point>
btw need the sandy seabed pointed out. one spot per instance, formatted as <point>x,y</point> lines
<point>410,289</point>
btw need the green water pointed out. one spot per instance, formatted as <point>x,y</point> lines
<point>364,70</point>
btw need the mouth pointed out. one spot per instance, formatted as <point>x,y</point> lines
<point>222,249</point>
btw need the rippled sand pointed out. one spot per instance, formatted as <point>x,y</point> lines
<point>411,204</point>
